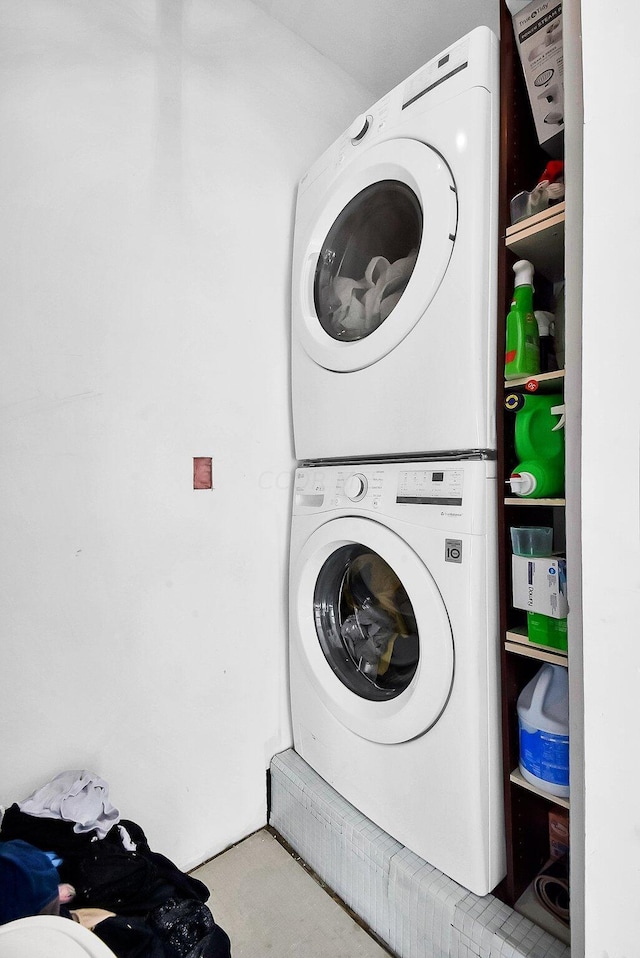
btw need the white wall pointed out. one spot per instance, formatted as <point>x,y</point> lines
<point>379,42</point>
<point>611,479</point>
<point>150,152</point>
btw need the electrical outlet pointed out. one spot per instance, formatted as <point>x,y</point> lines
<point>203,472</point>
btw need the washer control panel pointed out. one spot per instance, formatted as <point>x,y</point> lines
<point>341,486</point>
<point>454,496</point>
<point>430,487</point>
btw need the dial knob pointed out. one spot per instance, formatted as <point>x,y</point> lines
<point>355,487</point>
<point>359,127</point>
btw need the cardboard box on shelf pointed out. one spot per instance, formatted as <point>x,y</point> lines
<point>558,832</point>
<point>540,585</point>
<point>538,33</point>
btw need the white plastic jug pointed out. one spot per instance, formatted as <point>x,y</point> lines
<point>543,720</point>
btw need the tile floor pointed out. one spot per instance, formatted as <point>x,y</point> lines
<point>269,905</point>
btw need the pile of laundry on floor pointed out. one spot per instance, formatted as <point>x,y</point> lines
<point>65,850</point>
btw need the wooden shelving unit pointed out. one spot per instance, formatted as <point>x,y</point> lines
<point>533,503</point>
<point>521,782</point>
<point>517,641</point>
<point>540,239</point>
<point>541,382</point>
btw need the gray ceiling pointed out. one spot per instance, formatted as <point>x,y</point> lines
<point>380,42</point>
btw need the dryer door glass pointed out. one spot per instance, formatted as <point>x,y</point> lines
<point>367,259</point>
<point>365,623</point>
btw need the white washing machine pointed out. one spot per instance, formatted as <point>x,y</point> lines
<point>394,270</point>
<point>394,652</point>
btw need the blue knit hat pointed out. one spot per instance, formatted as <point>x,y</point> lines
<point>28,881</point>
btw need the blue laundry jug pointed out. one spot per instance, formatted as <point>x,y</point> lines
<point>543,720</point>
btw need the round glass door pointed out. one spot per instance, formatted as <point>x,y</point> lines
<point>372,630</point>
<point>367,259</point>
<point>366,624</point>
<point>370,258</point>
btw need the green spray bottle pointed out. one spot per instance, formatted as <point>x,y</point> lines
<point>522,349</point>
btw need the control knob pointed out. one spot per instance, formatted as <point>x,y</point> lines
<point>359,127</point>
<point>355,487</point>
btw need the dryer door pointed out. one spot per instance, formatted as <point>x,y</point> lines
<point>374,631</point>
<point>375,255</point>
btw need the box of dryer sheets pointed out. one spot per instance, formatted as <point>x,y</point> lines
<point>538,32</point>
<point>540,585</point>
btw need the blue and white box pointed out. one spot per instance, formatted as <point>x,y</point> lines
<point>540,585</point>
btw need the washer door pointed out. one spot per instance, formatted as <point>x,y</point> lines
<point>375,256</point>
<point>374,632</point>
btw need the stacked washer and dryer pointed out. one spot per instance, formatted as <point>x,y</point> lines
<point>394,652</point>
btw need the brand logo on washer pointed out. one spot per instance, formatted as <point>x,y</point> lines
<point>453,550</point>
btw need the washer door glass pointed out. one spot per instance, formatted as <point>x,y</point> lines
<point>365,623</point>
<point>367,259</point>
<point>371,630</point>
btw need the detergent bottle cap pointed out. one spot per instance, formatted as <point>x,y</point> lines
<point>524,273</point>
<point>522,483</point>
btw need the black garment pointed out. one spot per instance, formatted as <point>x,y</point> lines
<point>160,911</point>
<point>182,924</point>
<point>103,872</point>
<point>130,938</point>
<point>135,938</point>
<point>47,834</point>
<point>215,945</point>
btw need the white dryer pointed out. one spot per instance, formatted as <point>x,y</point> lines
<point>394,270</point>
<point>394,653</point>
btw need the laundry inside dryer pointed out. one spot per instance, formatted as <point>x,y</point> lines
<point>367,260</point>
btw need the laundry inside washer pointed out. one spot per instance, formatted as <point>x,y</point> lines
<point>365,623</point>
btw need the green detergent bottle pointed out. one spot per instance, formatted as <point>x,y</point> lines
<point>539,445</point>
<point>522,348</point>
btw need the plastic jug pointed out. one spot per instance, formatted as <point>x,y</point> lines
<point>543,721</point>
<point>539,445</point>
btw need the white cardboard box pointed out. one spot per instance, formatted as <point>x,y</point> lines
<point>540,585</point>
<point>538,33</point>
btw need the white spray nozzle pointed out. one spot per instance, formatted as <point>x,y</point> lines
<point>524,273</point>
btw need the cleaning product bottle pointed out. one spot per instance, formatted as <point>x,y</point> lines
<point>545,630</point>
<point>545,320</point>
<point>522,352</point>
<point>543,721</point>
<point>539,445</point>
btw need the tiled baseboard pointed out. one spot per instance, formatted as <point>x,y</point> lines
<point>410,905</point>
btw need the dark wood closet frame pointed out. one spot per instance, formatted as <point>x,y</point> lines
<point>521,163</point>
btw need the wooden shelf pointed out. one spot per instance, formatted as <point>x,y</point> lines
<point>547,382</point>
<point>517,779</point>
<point>517,501</point>
<point>540,238</point>
<point>516,641</point>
